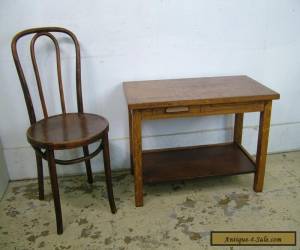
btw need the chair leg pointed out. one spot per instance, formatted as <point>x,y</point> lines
<point>55,191</point>
<point>88,165</point>
<point>107,169</point>
<point>39,164</point>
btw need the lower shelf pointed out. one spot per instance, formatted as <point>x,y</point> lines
<point>195,162</point>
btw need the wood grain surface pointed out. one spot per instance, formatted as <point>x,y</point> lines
<point>193,91</point>
<point>67,130</point>
<point>195,162</point>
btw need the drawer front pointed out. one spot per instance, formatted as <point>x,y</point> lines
<point>197,110</point>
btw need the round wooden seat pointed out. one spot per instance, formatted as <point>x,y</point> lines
<point>67,130</point>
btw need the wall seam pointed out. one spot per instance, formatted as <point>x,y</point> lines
<point>181,133</point>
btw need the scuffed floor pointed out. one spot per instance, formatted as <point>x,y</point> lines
<point>175,216</point>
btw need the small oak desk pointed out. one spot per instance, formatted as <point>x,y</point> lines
<point>162,99</point>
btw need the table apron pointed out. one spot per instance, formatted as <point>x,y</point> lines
<point>198,110</point>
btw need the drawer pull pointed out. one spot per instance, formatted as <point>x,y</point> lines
<point>177,109</point>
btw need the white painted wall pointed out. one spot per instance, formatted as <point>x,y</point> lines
<point>139,40</point>
<point>3,173</point>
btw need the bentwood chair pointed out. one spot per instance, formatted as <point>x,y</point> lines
<point>65,130</point>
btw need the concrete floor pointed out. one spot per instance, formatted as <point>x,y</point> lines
<point>175,216</point>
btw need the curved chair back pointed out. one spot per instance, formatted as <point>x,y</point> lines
<point>37,33</point>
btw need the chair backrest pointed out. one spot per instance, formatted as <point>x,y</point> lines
<point>38,32</point>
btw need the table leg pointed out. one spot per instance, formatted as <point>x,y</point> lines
<point>238,128</point>
<point>262,147</point>
<point>130,141</point>
<point>137,157</point>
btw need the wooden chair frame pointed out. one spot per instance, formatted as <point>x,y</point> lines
<point>46,151</point>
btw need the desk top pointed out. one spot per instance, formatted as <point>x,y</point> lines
<point>195,91</point>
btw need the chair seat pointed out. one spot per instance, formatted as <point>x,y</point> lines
<point>67,130</point>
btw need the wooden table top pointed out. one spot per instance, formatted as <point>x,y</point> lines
<point>194,91</point>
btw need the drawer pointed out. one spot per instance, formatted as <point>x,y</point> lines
<point>197,110</point>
